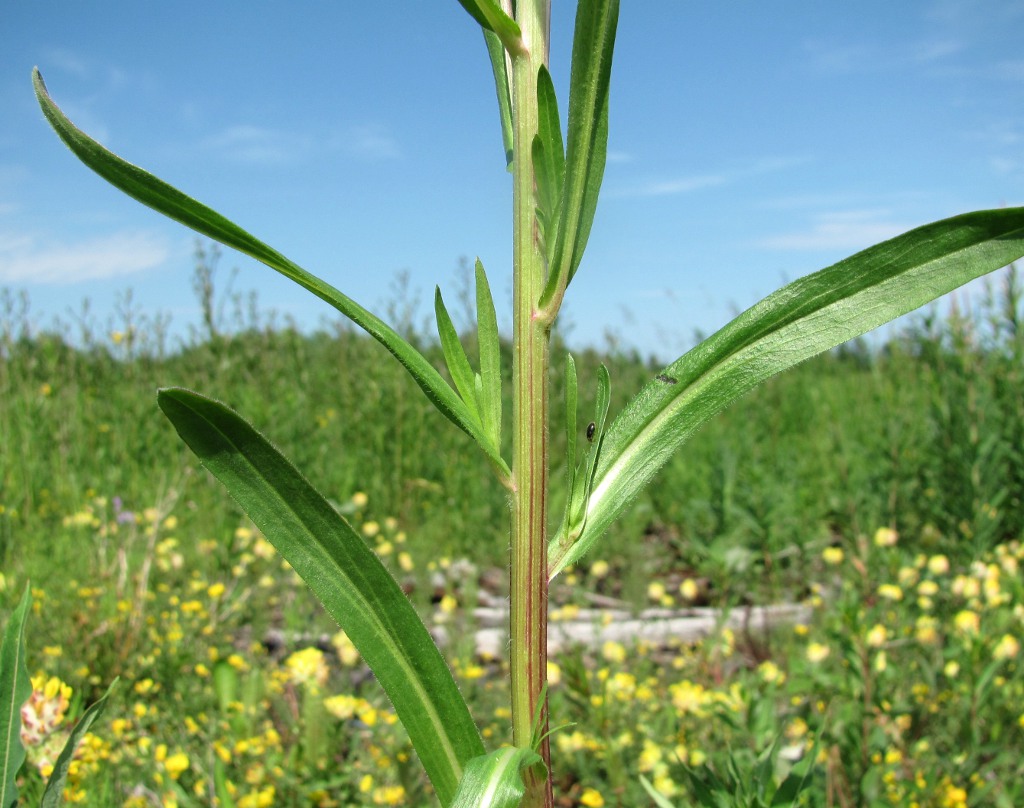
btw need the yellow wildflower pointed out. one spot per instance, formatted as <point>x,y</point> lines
<point>926,630</point>
<point>967,622</point>
<point>591,798</point>
<point>1007,648</point>
<point>307,667</point>
<point>877,635</point>
<point>44,711</point>
<point>347,652</point>
<point>389,795</point>
<point>817,652</point>
<point>613,651</point>
<point>688,697</point>
<point>770,672</point>
<point>890,592</point>
<point>176,765</point>
<point>938,565</point>
<point>832,556</point>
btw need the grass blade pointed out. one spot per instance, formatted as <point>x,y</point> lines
<point>806,317</point>
<point>489,344</point>
<point>587,149</point>
<point>15,689</point>
<point>495,780</point>
<point>53,795</point>
<point>659,800</point>
<point>157,194</point>
<point>354,587</point>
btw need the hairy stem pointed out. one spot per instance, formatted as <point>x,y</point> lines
<point>529,582</point>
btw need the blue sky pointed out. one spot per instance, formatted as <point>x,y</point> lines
<point>750,143</point>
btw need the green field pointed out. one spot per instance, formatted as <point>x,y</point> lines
<point>882,483</point>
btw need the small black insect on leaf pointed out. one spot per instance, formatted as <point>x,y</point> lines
<point>591,429</point>
<point>661,377</point>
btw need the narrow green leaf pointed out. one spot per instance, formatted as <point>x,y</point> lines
<point>15,689</point>
<point>347,578</point>
<point>500,69</point>
<point>455,357</point>
<point>548,154</point>
<point>796,781</point>
<point>495,780</point>
<point>571,398</point>
<point>577,513</point>
<point>489,343</point>
<point>53,795</point>
<point>587,149</point>
<point>764,770</point>
<point>659,800</point>
<point>806,317</point>
<point>171,202</point>
<point>542,182</point>
<point>220,783</point>
<point>490,17</point>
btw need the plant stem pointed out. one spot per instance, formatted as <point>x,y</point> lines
<point>529,581</point>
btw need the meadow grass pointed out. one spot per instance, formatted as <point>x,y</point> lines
<point>884,485</point>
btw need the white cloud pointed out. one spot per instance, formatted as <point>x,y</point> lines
<point>840,230</point>
<point>262,145</point>
<point>680,185</point>
<point>1005,165</point>
<point>257,144</point>
<point>29,259</point>
<point>935,50</point>
<point>370,141</point>
<point>84,68</point>
<point>698,182</point>
<point>67,61</point>
<point>833,57</point>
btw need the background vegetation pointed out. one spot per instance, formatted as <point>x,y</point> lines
<point>142,568</point>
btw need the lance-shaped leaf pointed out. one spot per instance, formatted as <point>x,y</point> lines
<point>347,578</point>
<point>171,202</point>
<point>15,689</point>
<point>571,397</point>
<point>495,780</point>
<point>53,795</point>
<point>548,155</point>
<point>587,149</point>
<point>490,17</point>
<point>806,317</point>
<point>489,343</point>
<point>455,357</point>
<point>579,493</point>
<point>500,69</point>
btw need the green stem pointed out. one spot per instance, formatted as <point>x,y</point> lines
<point>529,582</point>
